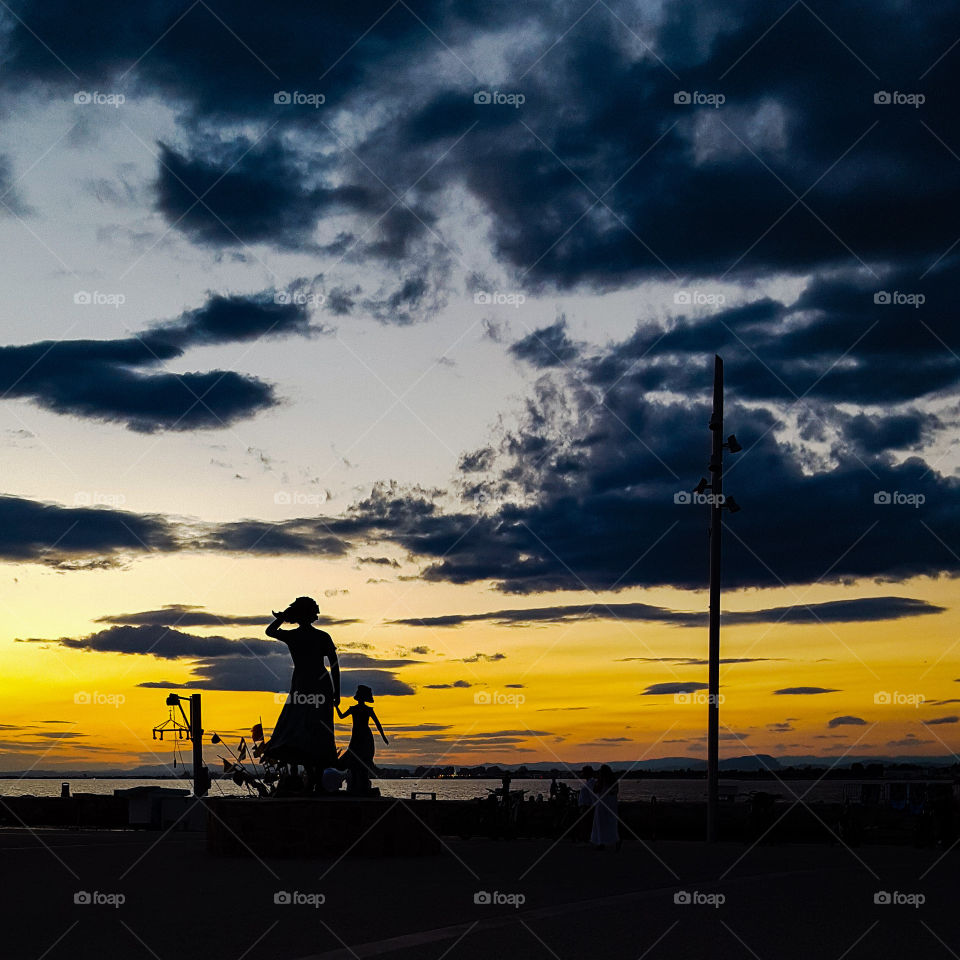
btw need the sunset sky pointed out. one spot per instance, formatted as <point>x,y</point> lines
<point>411,307</point>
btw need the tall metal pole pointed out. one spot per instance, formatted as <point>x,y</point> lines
<point>196,734</point>
<point>713,655</point>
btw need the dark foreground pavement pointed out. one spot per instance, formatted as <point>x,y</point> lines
<point>766,902</point>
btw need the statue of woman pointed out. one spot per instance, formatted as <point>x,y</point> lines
<point>359,755</point>
<point>304,731</point>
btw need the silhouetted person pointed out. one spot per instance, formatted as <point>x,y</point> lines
<point>359,755</point>
<point>605,822</point>
<point>585,801</point>
<point>304,730</point>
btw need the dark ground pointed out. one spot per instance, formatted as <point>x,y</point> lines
<point>809,901</point>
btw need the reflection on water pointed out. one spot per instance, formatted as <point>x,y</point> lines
<point>456,789</point>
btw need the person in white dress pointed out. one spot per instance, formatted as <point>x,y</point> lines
<point>606,831</point>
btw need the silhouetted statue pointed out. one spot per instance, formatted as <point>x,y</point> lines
<point>605,820</point>
<point>359,756</point>
<point>304,730</point>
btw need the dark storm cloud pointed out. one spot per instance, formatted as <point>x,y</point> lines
<point>190,615</point>
<point>698,661</point>
<point>236,319</point>
<point>546,347</point>
<point>798,168</point>
<point>833,611</point>
<point>804,691</point>
<point>103,537</point>
<point>596,508</point>
<point>593,486</point>
<point>168,643</point>
<point>796,104</point>
<point>846,721</point>
<point>936,721</point>
<point>247,195</point>
<point>833,343</point>
<point>268,538</point>
<point>272,674</point>
<point>413,296</point>
<point>51,534</point>
<point>218,663</point>
<point>659,689</point>
<point>456,685</point>
<point>230,61</point>
<point>163,642</point>
<point>159,401</point>
<point>117,380</point>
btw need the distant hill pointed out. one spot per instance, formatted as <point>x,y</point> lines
<point>750,762</point>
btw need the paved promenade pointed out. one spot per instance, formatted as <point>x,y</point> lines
<point>165,897</point>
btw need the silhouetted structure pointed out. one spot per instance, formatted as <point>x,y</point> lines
<point>304,730</point>
<point>359,756</point>
<point>717,502</point>
<point>191,729</point>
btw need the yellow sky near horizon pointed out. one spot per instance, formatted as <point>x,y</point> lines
<point>580,695</point>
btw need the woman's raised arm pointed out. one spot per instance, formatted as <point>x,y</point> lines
<point>376,720</point>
